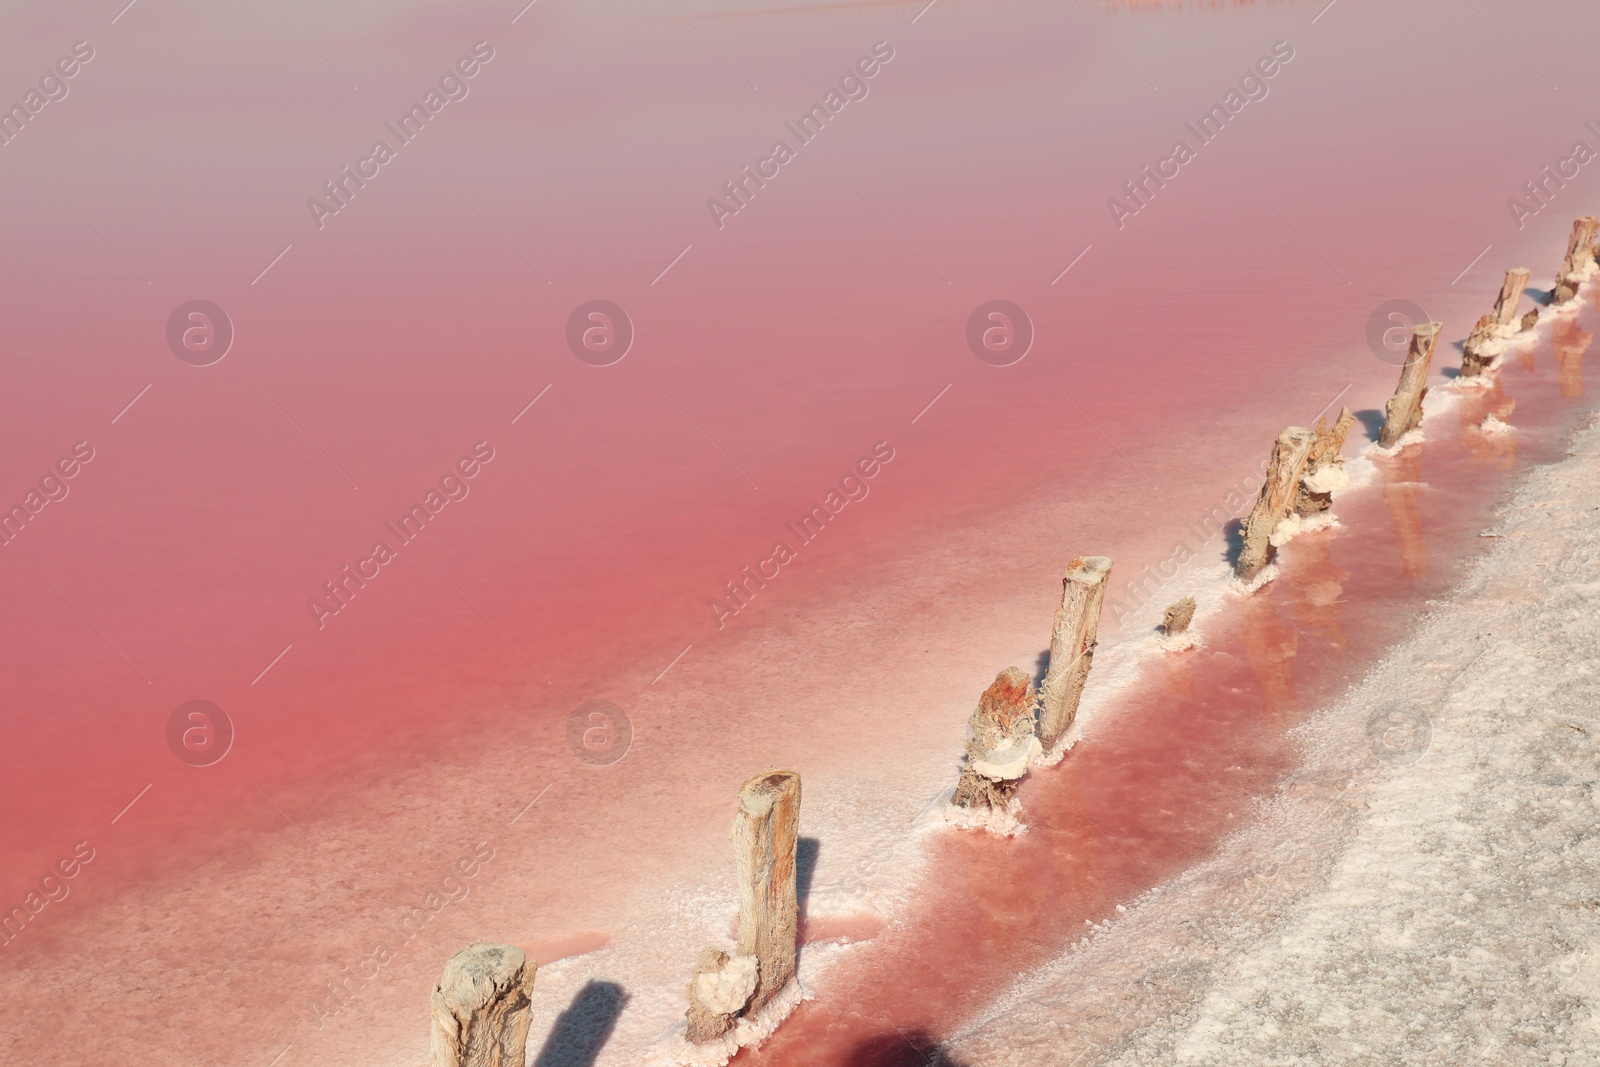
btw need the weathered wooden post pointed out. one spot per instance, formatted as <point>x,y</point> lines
<point>1403,412</point>
<point>1001,746</point>
<point>1324,471</point>
<point>1483,344</point>
<point>765,834</point>
<point>1505,305</point>
<point>1480,349</point>
<point>1278,495</point>
<point>724,989</point>
<point>1176,619</point>
<point>1072,642</point>
<point>1578,265</point>
<point>482,1008</point>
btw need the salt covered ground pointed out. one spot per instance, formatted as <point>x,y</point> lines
<point>1425,889</point>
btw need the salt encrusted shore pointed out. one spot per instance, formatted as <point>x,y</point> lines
<point>1425,889</point>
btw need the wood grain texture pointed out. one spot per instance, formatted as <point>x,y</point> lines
<point>1403,412</point>
<point>1278,494</point>
<point>481,1007</point>
<point>766,832</point>
<point>1076,631</point>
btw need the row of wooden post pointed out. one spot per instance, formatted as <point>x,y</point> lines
<point>482,1005</point>
<point>1300,453</point>
<point>1012,727</point>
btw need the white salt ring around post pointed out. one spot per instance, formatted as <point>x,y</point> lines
<point>1009,763</point>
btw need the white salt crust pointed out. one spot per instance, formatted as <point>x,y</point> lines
<point>1494,426</point>
<point>1481,381</point>
<point>1267,574</point>
<point>730,988</point>
<point>1407,439</point>
<point>1063,746</point>
<point>1330,478</point>
<point>1006,823</point>
<point>677,1051</point>
<point>1295,525</point>
<point>1010,763</point>
<point>1178,642</point>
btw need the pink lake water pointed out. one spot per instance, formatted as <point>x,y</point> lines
<point>822,325</point>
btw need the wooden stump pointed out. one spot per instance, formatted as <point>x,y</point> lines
<point>1278,495</point>
<point>1485,341</point>
<point>1176,619</point>
<point>1579,261</point>
<point>719,988</point>
<point>765,833</point>
<point>1324,466</point>
<point>1403,412</point>
<point>482,1008</point>
<point>1077,628</point>
<point>1002,744</point>
<point>1474,357</point>
<point>1505,305</point>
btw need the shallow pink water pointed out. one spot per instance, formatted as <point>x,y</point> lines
<point>769,359</point>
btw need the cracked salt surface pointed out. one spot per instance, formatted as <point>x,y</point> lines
<point>1426,890</point>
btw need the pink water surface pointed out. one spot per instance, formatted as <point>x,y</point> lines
<point>826,319</point>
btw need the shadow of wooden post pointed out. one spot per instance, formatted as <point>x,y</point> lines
<point>583,1029</point>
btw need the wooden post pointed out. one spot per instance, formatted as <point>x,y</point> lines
<point>1579,262</point>
<point>1483,344</point>
<point>482,1008</point>
<point>1278,494</point>
<point>1175,620</point>
<point>1077,628</point>
<point>1324,466</point>
<point>765,834</point>
<point>1403,412</point>
<point>1505,305</point>
<point>719,988</point>
<point>1474,357</point>
<point>1002,744</point>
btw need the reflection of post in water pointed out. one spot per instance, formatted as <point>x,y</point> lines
<point>1571,341</point>
<point>989,906</point>
<point>1402,492</point>
<point>1176,674</point>
<point>1039,886</point>
<point>1085,877</point>
<point>1317,583</point>
<point>997,898</point>
<point>1525,358</point>
<point>1271,644</point>
<point>1498,450</point>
